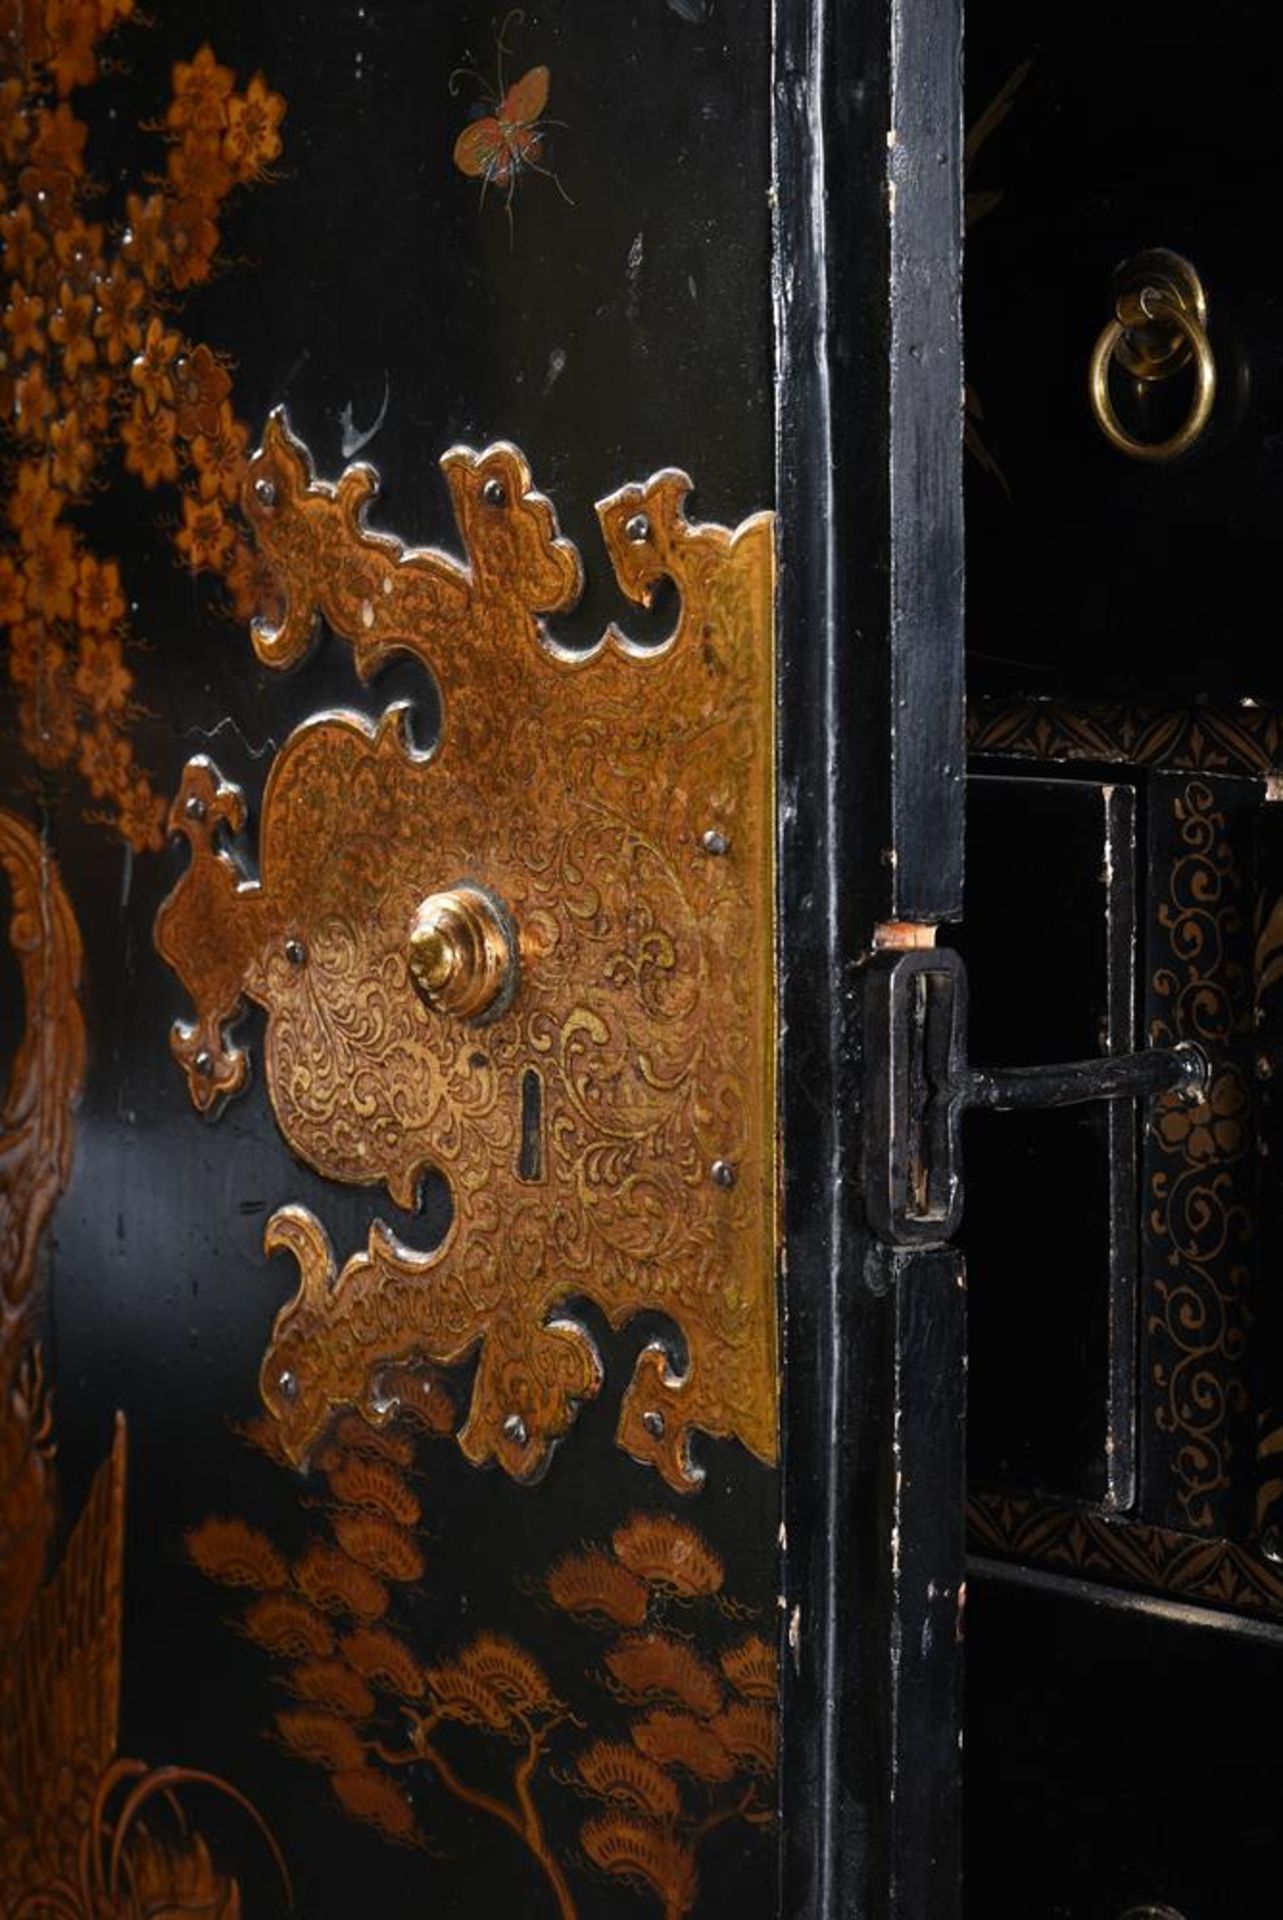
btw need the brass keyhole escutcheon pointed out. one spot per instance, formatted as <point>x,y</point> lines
<point>462,956</point>
<point>574,1029</point>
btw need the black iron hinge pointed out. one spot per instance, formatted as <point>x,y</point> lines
<point>920,1084</point>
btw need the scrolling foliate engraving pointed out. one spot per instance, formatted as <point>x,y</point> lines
<point>606,1125</point>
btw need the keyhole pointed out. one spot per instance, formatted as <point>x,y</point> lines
<point>530,1159</point>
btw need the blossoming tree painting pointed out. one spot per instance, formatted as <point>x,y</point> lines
<point>95,367</point>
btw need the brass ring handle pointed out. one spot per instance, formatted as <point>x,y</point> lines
<point>1156,308</point>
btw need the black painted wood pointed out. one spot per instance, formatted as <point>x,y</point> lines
<point>868,478</point>
<point>1135,1759</point>
<point>924,479</point>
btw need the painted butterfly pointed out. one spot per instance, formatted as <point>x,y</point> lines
<point>499,146</point>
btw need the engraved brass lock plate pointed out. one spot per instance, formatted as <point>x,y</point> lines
<point>537,958</point>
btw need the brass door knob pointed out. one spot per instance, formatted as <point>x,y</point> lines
<point>1159,327</point>
<point>462,955</point>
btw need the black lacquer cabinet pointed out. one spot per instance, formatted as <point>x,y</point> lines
<point>430,1472</point>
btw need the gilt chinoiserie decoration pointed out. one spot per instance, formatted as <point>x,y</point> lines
<point>535,956</point>
<point>84,1829</point>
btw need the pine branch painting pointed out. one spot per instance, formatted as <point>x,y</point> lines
<point>652,1704</point>
<point>698,1745</point>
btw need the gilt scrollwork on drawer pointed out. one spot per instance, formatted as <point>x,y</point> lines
<point>536,957</point>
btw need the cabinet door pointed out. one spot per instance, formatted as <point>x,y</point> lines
<point>1124,1625</point>
<point>461,1444</point>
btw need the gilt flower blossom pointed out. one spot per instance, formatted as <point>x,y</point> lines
<point>105,760</point>
<point>59,140</point>
<point>200,386</point>
<point>252,140</point>
<point>141,815</point>
<point>71,453</point>
<point>119,298</point>
<point>34,504</point>
<point>22,319</point>
<point>32,403</point>
<point>149,444</point>
<point>204,537</point>
<point>22,245</point>
<point>13,591</point>
<point>80,253</point>
<point>144,244</point>
<point>71,327</point>
<point>50,572</point>
<point>101,675</point>
<point>26,640</point>
<point>73,28</point>
<point>198,168</point>
<point>100,604</point>
<point>255,590</point>
<point>13,120</point>
<point>90,393</point>
<point>191,237</point>
<point>1215,1129</point>
<point>219,457</point>
<point>201,88</point>
<point>152,371</point>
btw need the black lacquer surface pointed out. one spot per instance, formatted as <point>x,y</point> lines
<point>367,282</point>
<point>1117,1748</point>
<point>1090,574</point>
